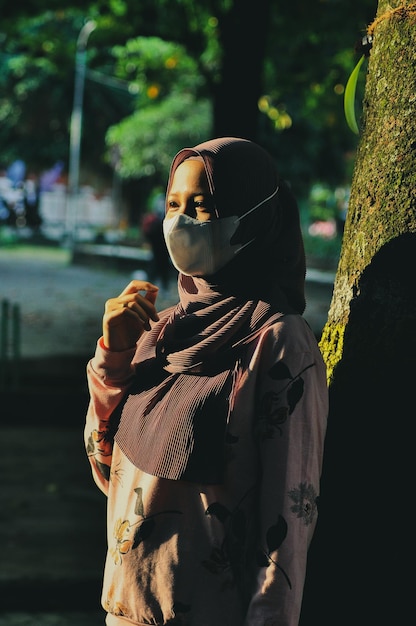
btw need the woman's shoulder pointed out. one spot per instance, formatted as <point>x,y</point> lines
<point>290,334</point>
<point>290,326</point>
<point>288,346</point>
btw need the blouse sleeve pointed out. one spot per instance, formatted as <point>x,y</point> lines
<point>290,427</point>
<point>109,375</point>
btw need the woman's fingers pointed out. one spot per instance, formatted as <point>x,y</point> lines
<point>127,316</point>
<point>131,294</point>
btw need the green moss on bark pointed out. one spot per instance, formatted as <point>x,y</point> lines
<point>383,193</point>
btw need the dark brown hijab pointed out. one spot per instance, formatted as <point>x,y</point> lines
<point>241,174</point>
<point>174,420</point>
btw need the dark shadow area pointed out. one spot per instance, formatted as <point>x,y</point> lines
<point>52,516</point>
<point>361,553</point>
<point>52,595</point>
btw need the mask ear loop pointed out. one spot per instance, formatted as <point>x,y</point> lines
<point>250,211</point>
<point>240,217</point>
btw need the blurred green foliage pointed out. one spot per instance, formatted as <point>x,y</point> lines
<point>153,83</point>
<point>169,113</point>
<point>322,252</point>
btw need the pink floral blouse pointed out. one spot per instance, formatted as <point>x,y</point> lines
<point>232,554</point>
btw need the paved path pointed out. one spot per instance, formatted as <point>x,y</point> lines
<point>61,304</point>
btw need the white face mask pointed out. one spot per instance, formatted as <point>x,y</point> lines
<point>202,248</point>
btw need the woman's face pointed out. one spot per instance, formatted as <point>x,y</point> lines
<point>189,192</point>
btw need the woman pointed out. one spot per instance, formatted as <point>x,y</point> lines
<point>206,422</point>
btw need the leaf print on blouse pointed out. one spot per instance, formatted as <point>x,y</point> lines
<point>305,498</point>
<point>140,531</point>
<point>277,406</point>
<point>225,559</point>
<point>275,536</point>
<point>104,469</point>
<point>122,543</point>
<point>100,444</point>
<point>117,473</point>
<point>230,559</point>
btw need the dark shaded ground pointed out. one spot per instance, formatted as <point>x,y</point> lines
<point>52,516</point>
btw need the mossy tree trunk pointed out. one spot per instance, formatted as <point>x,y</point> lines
<point>360,555</point>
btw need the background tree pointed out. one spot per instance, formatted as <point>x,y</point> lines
<point>292,59</point>
<point>170,110</point>
<point>37,83</point>
<point>361,555</point>
<point>243,34</point>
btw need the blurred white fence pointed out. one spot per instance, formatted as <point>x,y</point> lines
<point>86,216</point>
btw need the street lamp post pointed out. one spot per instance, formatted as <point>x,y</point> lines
<point>76,128</point>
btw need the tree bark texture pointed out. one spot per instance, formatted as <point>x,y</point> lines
<point>361,550</point>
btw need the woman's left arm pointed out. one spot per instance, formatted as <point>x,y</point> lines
<point>291,426</point>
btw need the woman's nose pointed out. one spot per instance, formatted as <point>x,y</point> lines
<point>187,208</point>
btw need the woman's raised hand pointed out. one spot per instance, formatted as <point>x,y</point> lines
<point>127,316</point>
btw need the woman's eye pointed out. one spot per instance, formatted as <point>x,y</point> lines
<point>203,212</point>
<point>204,205</point>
